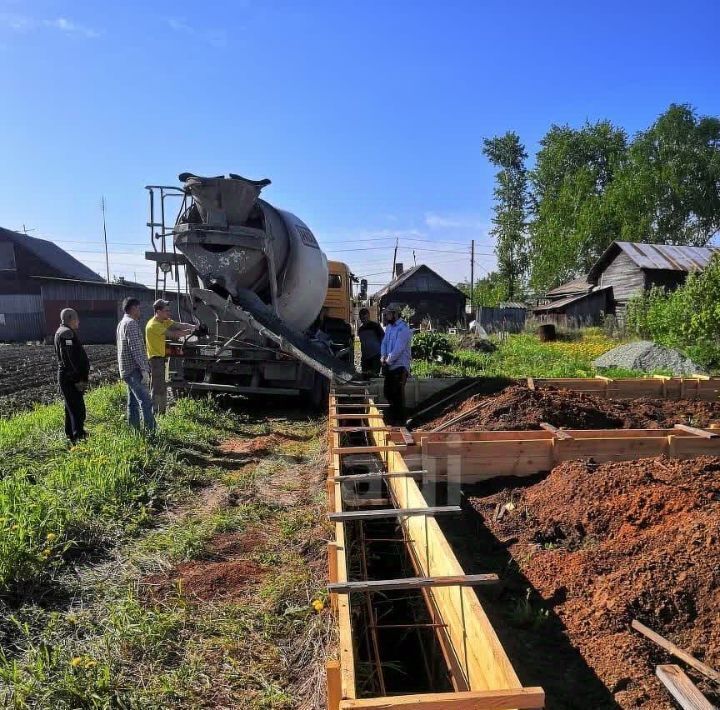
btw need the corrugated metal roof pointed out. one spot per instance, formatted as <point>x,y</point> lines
<point>666,257</point>
<point>563,302</point>
<point>576,286</point>
<point>57,258</point>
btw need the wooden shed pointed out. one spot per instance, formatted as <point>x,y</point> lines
<point>585,309</point>
<point>427,293</point>
<point>630,268</point>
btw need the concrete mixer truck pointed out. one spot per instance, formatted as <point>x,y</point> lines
<point>255,280</point>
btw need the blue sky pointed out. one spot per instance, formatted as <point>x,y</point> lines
<point>367,116</point>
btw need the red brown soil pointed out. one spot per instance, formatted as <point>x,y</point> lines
<point>256,446</point>
<point>519,408</point>
<point>225,576</point>
<point>604,545</point>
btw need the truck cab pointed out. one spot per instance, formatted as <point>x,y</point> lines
<point>337,311</point>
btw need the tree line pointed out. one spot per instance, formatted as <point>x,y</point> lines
<point>592,185</point>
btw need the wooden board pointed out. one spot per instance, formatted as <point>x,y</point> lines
<point>682,688</point>
<point>518,699</point>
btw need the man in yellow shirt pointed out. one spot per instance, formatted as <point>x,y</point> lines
<point>158,328</point>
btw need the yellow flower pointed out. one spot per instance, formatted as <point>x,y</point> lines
<point>50,537</point>
<point>76,661</point>
<point>46,552</point>
<point>318,605</point>
<point>15,527</point>
<point>89,663</point>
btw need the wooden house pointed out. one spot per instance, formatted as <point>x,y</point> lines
<point>630,268</point>
<point>427,293</point>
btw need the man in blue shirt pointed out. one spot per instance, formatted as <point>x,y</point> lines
<point>395,353</point>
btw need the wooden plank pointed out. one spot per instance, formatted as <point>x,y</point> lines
<point>407,437</point>
<point>355,415</point>
<point>559,433</point>
<point>684,447</point>
<point>350,477</point>
<point>696,431</point>
<point>352,429</point>
<point>676,651</point>
<point>611,449</point>
<point>345,640</point>
<point>346,450</point>
<point>518,699</point>
<point>530,383</point>
<point>359,405</point>
<point>682,688</point>
<point>334,688</point>
<point>387,585</point>
<point>393,513</point>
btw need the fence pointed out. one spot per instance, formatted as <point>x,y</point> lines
<point>495,319</point>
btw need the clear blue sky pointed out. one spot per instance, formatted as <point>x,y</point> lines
<point>367,116</point>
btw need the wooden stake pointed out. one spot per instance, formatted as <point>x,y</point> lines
<point>682,688</point>
<point>334,693</point>
<point>676,651</point>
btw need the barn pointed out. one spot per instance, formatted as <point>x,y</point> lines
<point>38,279</point>
<point>630,268</point>
<point>425,292</point>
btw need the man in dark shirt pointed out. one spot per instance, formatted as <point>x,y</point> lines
<point>73,373</point>
<point>371,336</point>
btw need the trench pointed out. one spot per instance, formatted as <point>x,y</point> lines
<point>396,644</point>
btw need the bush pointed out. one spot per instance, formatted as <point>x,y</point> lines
<point>687,319</point>
<point>432,346</point>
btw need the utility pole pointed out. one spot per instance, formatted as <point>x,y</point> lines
<point>107,258</point>
<point>392,275</point>
<point>472,277</point>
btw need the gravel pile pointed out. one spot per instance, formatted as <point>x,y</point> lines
<point>646,356</point>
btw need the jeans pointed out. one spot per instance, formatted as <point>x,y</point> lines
<point>139,398</point>
<point>159,385</point>
<point>394,391</point>
<point>370,366</point>
<point>74,410</point>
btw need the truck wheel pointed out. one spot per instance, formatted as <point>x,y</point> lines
<point>318,396</point>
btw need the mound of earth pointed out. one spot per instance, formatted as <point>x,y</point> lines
<point>646,356</point>
<point>519,408</point>
<point>604,545</point>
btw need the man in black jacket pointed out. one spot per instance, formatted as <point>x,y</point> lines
<point>371,336</point>
<point>73,373</point>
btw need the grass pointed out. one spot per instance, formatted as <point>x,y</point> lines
<point>78,628</point>
<point>523,355</point>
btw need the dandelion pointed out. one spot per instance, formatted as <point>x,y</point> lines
<point>50,537</point>
<point>76,661</point>
<point>318,605</point>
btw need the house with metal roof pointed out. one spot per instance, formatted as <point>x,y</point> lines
<point>427,293</point>
<point>38,279</point>
<point>624,270</point>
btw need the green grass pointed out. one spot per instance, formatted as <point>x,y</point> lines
<point>80,631</point>
<point>57,502</point>
<point>523,355</point>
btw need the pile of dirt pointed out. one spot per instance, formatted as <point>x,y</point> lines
<point>604,545</point>
<point>225,575</point>
<point>519,408</point>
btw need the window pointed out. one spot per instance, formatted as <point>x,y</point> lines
<point>334,281</point>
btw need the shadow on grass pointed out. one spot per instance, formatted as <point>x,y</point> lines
<point>534,637</point>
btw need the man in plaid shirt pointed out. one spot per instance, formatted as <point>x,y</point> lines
<point>134,366</point>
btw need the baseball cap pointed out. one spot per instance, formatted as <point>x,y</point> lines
<point>160,303</point>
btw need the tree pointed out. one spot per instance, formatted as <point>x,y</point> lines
<point>668,190</point>
<point>573,224</point>
<point>489,290</point>
<point>510,211</point>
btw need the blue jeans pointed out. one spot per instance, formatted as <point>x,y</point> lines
<point>139,398</point>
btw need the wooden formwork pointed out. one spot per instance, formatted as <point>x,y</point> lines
<point>475,456</point>
<point>478,666</point>
<point>658,387</point>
